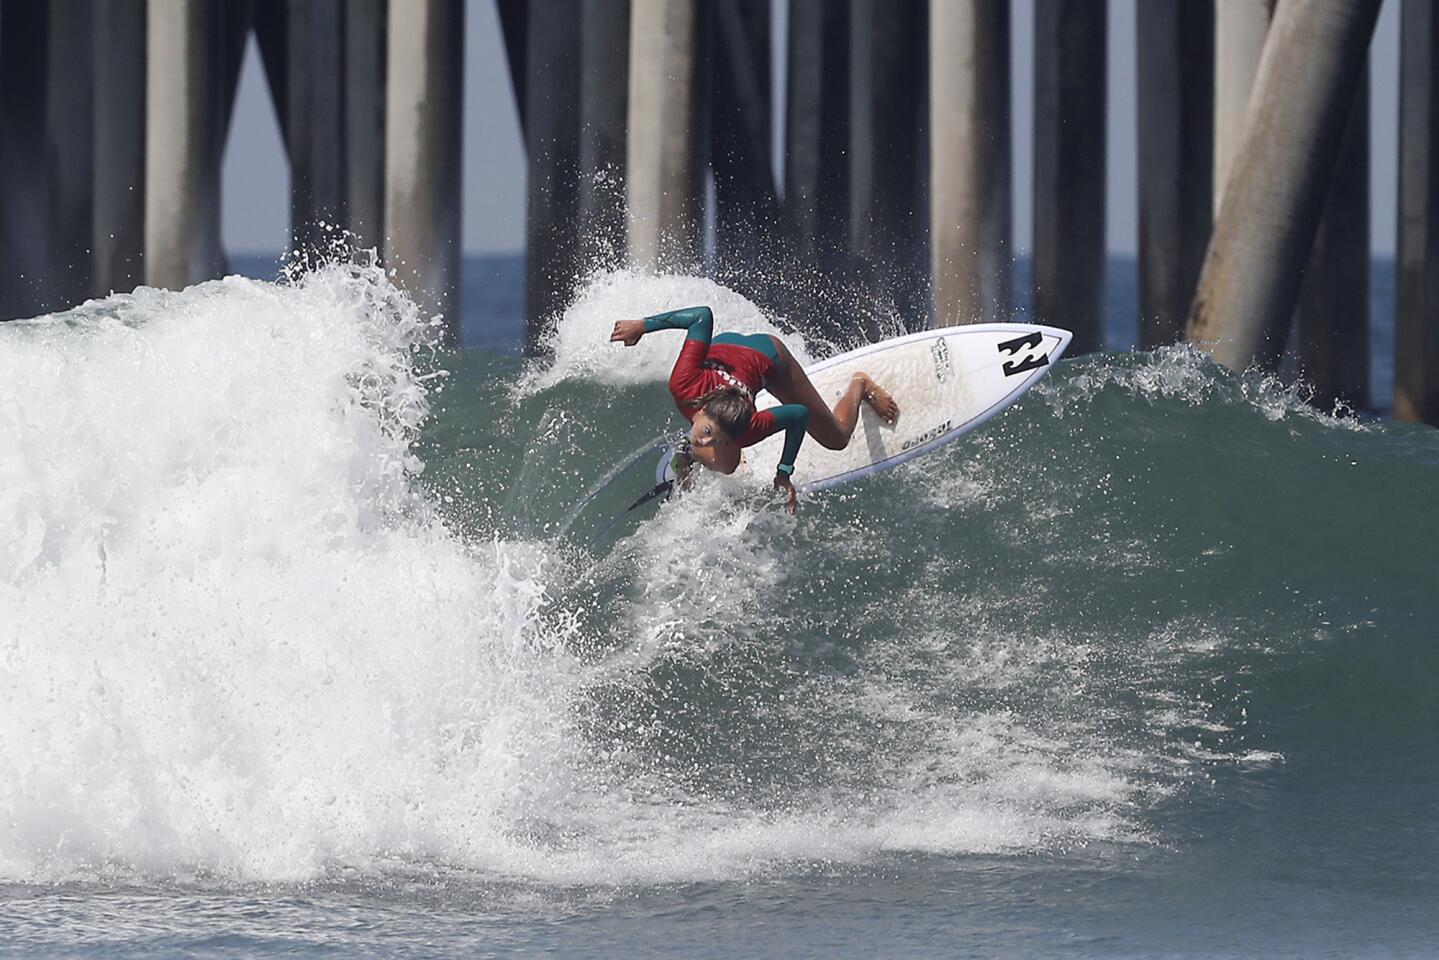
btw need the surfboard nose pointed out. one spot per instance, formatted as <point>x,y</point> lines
<point>1058,333</point>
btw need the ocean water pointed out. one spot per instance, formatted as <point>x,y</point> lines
<point>295,660</point>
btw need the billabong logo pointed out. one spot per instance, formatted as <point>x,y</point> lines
<point>927,436</point>
<point>1032,361</point>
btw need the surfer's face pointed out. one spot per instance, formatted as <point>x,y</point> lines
<point>711,446</point>
<point>705,432</point>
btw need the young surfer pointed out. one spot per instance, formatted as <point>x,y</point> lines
<point>716,379</point>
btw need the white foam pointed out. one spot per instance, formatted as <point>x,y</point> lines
<point>232,639</point>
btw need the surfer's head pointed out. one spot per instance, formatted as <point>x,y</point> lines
<point>727,409</point>
<point>723,417</point>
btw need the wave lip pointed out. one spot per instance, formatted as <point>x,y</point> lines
<point>579,342</point>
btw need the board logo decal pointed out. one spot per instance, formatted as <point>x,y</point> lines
<point>927,436</point>
<point>939,350</point>
<point>1031,361</point>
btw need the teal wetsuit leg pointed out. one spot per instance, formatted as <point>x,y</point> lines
<point>759,342</point>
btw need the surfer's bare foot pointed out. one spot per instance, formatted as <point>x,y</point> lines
<point>880,400</point>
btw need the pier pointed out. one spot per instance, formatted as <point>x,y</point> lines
<point>876,163</point>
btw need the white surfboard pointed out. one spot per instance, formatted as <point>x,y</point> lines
<point>947,382</point>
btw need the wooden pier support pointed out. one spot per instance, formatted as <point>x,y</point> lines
<point>1312,64</point>
<point>423,110</point>
<point>1175,101</point>
<point>604,102</point>
<point>118,230</point>
<point>888,102</point>
<point>1416,319</point>
<point>1070,38</point>
<point>741,156</point>
<point>664,197</point>
<point>552,146</point>
<point>970,188</point>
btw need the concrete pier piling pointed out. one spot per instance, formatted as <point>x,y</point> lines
<point>1175,105</point>
<point>970,188</point>
<point>1070,38</point>
<point>816,162</point>
<point>604,103</point>
<point>741,157</point>
<point>24,251</point>
<point>1416,316</point>
<point>69,151</point>
<point>118,229</point>
<point>812,259</point>
<point>423,110</point>
<point>1332,318</point>
<point>272,29</point>
<point>1312,64</point>
<point>184,108</point>
<point>364,98</point>
<point>1240,27</point>
<point>237,18</point>
<point>552,146</point>
<point>326,65</point>
<point>888,175</point>
<point>663,187</point>
<point>515,26</point>
<point>315,121</point>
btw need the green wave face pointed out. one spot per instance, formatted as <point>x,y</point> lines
<point>1149,573</point>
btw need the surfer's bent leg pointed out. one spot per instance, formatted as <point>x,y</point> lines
<point>830,426</point>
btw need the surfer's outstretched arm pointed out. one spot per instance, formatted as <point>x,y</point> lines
<point>698,324</point>
<point>698,321</point>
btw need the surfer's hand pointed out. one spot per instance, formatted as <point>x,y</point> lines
<point>628,332</point>
<point>684,471</point>
<point>782,482</point>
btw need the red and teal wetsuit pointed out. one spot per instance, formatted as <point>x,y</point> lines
<point>731,359</point>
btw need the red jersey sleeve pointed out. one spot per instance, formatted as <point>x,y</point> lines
<point>687,377</point>
<point>761,425</point>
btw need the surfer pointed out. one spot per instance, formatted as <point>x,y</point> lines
<point>715,381</point>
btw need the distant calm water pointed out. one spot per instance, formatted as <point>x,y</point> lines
<point>293,659</point>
